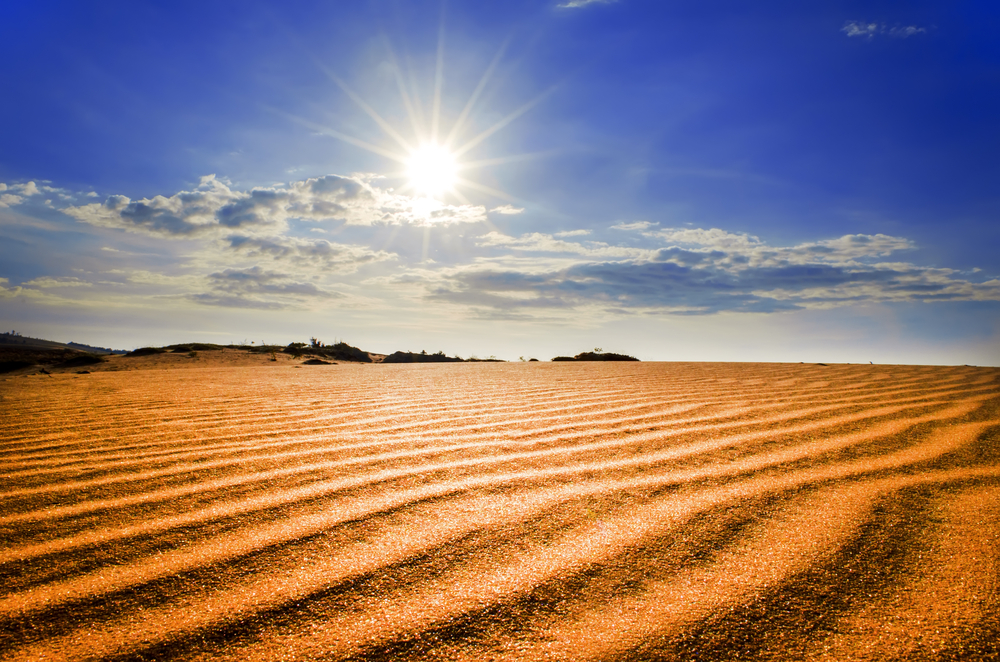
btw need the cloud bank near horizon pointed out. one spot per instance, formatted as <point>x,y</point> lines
<point>693,271</point>
<point>251,249</point>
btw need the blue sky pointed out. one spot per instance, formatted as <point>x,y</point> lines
<point>770,181</point>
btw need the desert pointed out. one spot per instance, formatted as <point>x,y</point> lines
<point>227,506</point>
<point>464,331</point>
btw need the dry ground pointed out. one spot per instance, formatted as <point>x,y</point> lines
<point>230,507</point>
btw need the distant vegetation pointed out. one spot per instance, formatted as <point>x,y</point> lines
<point>596,355</point>
<point>193,347</point>
<point>13,338</point>
<point>340,351</point>
<point>81,361</point>
<point>422,357</point>
<point>148,351</point>
<point>14,357</point>
<point>18,353</point>
<point>16,364</point>
<point>94,350</point>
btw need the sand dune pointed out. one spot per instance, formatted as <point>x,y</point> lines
<point>536,511</point>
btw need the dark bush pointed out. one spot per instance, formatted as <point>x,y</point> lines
<point>80,361</point>
<point>603,356</point>
<point>147,351</point>
<point>11,366</point>
<point>423,357</point>
<point>597,356</point>
<point>344,352</point>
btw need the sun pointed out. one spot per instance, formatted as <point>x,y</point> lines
<point>432,170</point>
<point>435,163</point>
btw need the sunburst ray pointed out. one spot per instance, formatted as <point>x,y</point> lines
<point>361,103</point>
<point>333,133</point>
<point>475,94</point>
<point>438,81</point>
<point>504,122</point>
<point>411,111</point>
<point>482,188</point>
<point>513,158</point>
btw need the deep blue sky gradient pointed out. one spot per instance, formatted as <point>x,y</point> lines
<point>763,118</point>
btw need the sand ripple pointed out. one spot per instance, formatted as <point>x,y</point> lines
<point>539,511</point>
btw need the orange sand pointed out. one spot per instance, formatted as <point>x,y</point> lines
<point>226,506</point>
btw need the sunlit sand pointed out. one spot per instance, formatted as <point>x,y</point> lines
<point>228,506</point>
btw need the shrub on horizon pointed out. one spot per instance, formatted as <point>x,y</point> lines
<point>597,356</point>
<point>147,351</point>
<point>423,357</point>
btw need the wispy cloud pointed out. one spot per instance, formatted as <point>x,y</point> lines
<point>538,242</point>
<point>636,225</point>
<point>259,288</point>
<point>46,282</point>
<point>507,210</point>
<point>311,254</point>
<point>577,4</point>
<point>869,30</point>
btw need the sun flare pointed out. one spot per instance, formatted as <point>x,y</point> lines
<point>436,162</point>
<point>432,170</point>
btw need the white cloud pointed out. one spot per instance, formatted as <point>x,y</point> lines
<point>215,209</point>
<point>20,192</point>
<point>253,248</point>
<point>26,190</point>
<point>859,29</point>
<point>245,246</point>
<point>870,30</point>
<point>184,214</point>
<point>507,210</point>
<point>7,292</point>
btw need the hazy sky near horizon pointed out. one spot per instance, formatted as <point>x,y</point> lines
<point>720,180</point>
